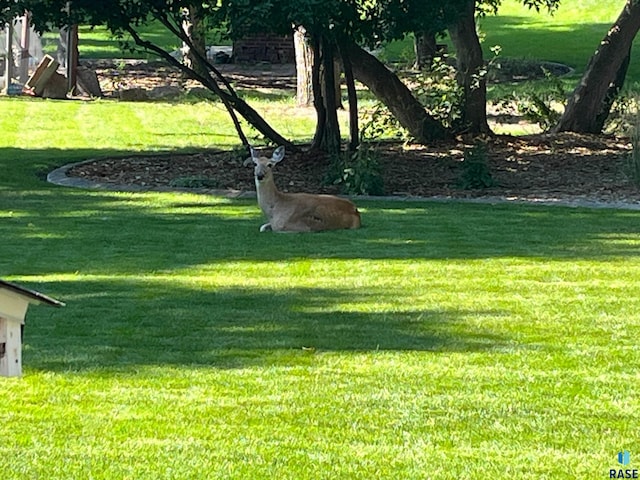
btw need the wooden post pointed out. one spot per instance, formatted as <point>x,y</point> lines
<point>72,58</point>
<point>23,72</point>
<point>8,69</point>
<point>42,74</point>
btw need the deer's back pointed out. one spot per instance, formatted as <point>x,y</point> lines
<point>309,212</point>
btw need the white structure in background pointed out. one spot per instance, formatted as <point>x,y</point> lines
<point>14,301</point>
<point>20,51</point>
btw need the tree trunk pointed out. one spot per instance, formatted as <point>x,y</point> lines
<point>330,141</point>
<point>612,92</point>
<point>194,28</point>
<point>318,104</point>
<point>470,65</point>
<point>390,90</point>
<point>352,95</point>
<point>304,65</point>
<point>425,48</point>
<point>588,106</point>
<point>327,135</point>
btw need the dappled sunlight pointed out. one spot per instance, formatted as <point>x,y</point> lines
<point>12,214</point>
<point>216,240</point>
<point>252,308</point>
<point>190,342</point>
<point>620,239</point>
<point>139,316</point>
<point>45,236</point>
<point>546,27</point>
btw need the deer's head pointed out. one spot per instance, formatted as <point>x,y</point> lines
<point>263,165</point>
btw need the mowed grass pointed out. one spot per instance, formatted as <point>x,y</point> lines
<point>442,340</point>
<point>569,36</point>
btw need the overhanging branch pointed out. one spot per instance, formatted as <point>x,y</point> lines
<point>232,101</point>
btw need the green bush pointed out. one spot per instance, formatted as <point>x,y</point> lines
<point>195,181</point>
<point>475,170</point>
<point>538,107</point>
<point>357,173</point>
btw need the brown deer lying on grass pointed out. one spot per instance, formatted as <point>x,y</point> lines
<point>298,212</point>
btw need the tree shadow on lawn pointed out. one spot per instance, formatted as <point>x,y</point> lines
<point>106,234</point>
<point>528,38</point>
<point>121,324</point>
<point>459,230</point>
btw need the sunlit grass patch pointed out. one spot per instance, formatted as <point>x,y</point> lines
<point>441,340</point>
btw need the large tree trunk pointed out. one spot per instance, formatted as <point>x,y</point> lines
<point>194,28</point>
<point>425,47</point>
<point>330,140</point>
<point>304,65</point>
<point>389,89</point>
<point>327,135</point>
<point>304,68</point>
<point>470,64</point>
<point>590,102</point>
<point>612,92</point>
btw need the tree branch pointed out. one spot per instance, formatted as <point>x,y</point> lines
<point>232,102</point>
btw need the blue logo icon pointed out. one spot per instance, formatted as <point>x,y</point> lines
<point>624,457</point>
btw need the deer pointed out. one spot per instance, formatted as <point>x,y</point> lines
<point>297,212</point>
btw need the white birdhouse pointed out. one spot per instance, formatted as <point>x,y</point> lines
<point>14,301</point>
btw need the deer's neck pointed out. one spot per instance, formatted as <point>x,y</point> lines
<point>268,195</point>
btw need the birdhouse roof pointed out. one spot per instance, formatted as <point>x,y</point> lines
<point>31,295</point>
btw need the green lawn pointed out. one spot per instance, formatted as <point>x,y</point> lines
<point>569,36</point>
<point>442,340</point>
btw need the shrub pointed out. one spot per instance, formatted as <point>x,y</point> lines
<point>475,171</point>
<point>195,181</point>
<point>357,173</point>
<point>538,107</point>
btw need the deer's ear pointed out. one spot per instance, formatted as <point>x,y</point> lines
<point>248,162</point>
<point>278,154</point>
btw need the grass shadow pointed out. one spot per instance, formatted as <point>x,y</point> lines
<point>106,233</point>
<point>163,324</point>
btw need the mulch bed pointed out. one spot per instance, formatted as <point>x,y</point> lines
<point>539,167</point>
<point>562,167</point>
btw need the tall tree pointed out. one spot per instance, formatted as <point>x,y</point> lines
<point>425,48</point>
<point>318,24</point>
<point>193,26</point>
<point>590,103</point>
<point>470,66</point>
